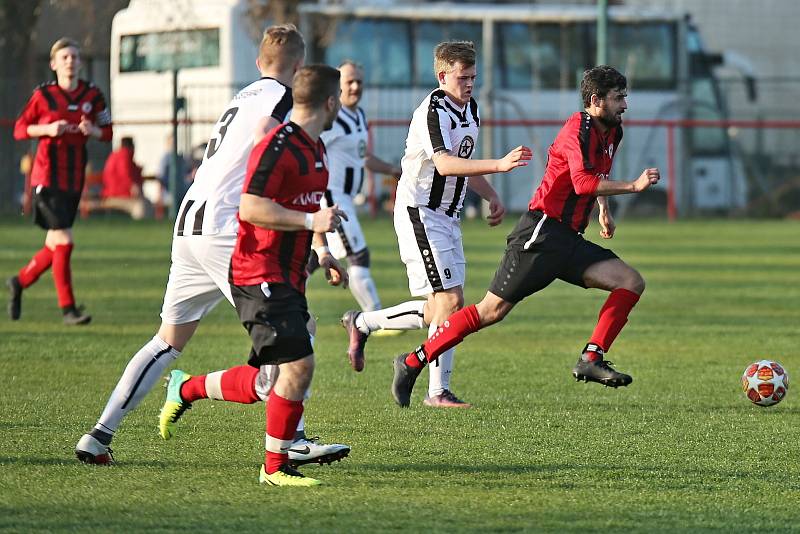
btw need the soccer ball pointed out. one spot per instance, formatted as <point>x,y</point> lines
<point>765,382</point>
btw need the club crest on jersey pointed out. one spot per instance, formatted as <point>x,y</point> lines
<point>611,150</point>
<point>86,107</point>
<point>362,149</point>
<point>466,147</point>
<point>312,198</point>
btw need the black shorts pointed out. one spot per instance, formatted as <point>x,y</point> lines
<point>54,209</point>
<point>275,318</point>
<point>540,250</point>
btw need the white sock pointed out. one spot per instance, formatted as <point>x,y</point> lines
<point>362,286</point>
<point>439,371</point>
<point>143,371</point>
<point>406,316</point>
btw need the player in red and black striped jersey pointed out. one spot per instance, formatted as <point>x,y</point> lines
<point>274,254</point>
<point>547,243</point>
<point>279,221</point>
<point>63,115</point>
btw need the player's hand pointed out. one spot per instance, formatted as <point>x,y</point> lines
<point>496,212</point>
<point>86,126</point>
<point>335,274</point>
<point>57,128</point>
<point>646,179</point>
<point>607,224</point>
<point>328,219</point>
<point>519,157</point>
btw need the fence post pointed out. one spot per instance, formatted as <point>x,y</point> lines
<point>671,211</point>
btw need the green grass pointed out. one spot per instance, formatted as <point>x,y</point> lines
<point>681,449</point>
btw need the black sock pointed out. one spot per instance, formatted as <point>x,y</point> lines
<point>103,437</point>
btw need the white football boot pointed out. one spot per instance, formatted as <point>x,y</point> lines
<point>91,451</point>
<point>309,451</point>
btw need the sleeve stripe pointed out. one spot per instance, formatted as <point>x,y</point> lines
<point>584,139</point>
<point>266,164</point>
<point>346,127</point>
<point>434,129</point>
<point>302,162</point>
<point>51,100</point>
<point>473,107</point>
<point>283,107</point>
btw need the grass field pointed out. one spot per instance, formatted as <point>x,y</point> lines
<point>681,449</point>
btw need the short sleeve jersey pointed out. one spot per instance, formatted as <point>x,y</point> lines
<point>438,124</point>
<point>346,143</point>
<point>211,203</point>
<point>577,160</point>
<point>60,162</point>
<point>290,169</point>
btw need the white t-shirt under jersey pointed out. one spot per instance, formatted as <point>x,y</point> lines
<point>346,143</point>
<point>438,124</point>
<point>211,203</point>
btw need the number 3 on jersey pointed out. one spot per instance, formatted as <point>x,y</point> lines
<point>222,127</point>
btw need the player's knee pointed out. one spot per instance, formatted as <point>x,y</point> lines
<point>300,373</point>
<point>360,258</point>
<point>633,281</point>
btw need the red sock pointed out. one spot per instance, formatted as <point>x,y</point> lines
<point>282,418</point>
<point>458,326</point>
<point>194,389</point>
<point>238,384</point>
<point>39,263</point>
<point>613,316</point>
<point>63,275</point>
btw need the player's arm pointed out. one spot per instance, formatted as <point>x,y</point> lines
<point>607,224</point>
<point>449,165</point>
<point>265,124</point>
<point>267,213</point>
<point>376,164</point>
<point>497,210</point>
<point>279,115</point>
<point>99,124</point>
<point>619,187</point>
<point>27,127</point>
<point>334,272</point>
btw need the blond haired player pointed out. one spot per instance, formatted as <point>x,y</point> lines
<point>437,169</point>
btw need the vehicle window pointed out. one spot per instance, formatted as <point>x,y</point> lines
<point>382,46</point>
<point>169,50</point>
<point>541,56</point>
<point>645,53</point>
<point>428,34</point>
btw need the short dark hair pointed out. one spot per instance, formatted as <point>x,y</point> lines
<point>314,84</point>
<point>599,81</point>
<point>126,142</point>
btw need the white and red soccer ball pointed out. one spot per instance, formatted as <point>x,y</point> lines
<point>765,382</point>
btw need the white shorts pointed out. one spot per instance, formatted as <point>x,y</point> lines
<point>348,238</point>
<point>198,277</point>
<point>431,247</point>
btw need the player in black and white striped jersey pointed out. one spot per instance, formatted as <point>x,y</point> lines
<point>348,157</point>
<point>203,241</point>
<point>437,169</point>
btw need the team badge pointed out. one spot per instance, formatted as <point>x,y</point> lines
<point>362,148</point>
<point>86,107</point>
<point>611,150</point>
<point>466,147</point>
